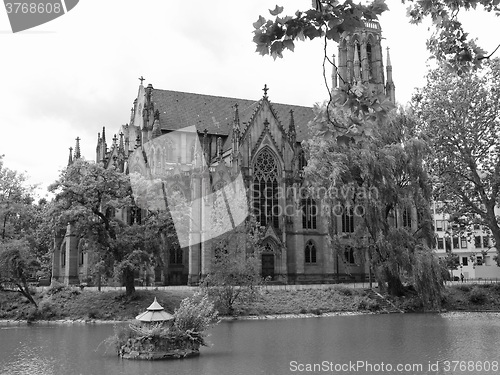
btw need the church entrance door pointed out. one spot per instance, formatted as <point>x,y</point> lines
<point>268,265</point>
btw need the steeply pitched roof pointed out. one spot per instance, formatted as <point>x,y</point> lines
<point>215,113</point>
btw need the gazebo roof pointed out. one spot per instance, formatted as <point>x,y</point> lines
<point>155,306</point>
<point>155,313</point>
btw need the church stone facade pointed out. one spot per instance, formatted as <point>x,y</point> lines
<point>196,144</point>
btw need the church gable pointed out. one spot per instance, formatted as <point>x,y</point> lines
<point>266,129</point>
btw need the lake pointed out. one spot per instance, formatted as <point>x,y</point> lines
<point>359,344</point>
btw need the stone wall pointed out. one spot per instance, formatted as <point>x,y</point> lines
<point>154,348</point>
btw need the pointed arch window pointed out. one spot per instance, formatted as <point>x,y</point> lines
<point>310,252</point>
<point>169,150</point>
<point>347,220</point>
<point>302,160</point>
<point>158,159</point>
<point>406,217</point>
<point>309,213</point>
<point>369,56</point>
<point>176,254</point>
<point>349,255</point>
<point>265,188</point>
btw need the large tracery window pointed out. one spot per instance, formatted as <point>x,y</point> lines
<point>265,188</point>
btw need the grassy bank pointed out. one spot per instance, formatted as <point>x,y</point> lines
<point>73,304</point>
<point>66,303</point>
<point>461,297</point>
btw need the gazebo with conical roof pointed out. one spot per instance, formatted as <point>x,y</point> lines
<point>155,313</point>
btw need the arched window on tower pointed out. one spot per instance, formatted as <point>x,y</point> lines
<point>265,188</point>
<point>310,252</point>
<point>369,57</point>
<point>359,50</point>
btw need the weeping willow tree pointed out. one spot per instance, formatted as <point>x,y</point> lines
<point>381,179</point>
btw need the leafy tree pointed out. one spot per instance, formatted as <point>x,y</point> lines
<point>88,196</point>
<point>15,203</point>
<point>460,115</point>
<point>374,177</point>
<point>17,265</point>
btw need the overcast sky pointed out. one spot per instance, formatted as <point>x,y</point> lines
<point>78,73</point>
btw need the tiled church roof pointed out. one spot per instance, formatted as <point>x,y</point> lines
<point>215,113</point>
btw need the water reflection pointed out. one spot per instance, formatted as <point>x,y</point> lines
<point>265,347</point>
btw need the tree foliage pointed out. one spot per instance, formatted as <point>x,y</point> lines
<point>450,42</point>
<point>17,265</point>
<point>88,196</point>
<point>16,199</point>
<point>21,238</point>
<point>376,177</point>
<point>460,115</point>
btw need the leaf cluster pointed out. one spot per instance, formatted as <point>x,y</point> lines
<point>450,43</point>
<point>327,18</point>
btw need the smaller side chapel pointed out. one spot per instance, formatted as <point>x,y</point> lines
<point>198,143</point>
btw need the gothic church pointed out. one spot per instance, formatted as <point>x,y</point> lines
<point>206,141</point>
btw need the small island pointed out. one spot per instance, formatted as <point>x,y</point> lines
<point>160,335</point>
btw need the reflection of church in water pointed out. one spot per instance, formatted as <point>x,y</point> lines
<point>169,130</point>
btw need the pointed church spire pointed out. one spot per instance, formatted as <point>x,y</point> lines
<point>219,148</point>
<point>236,121</point>
<point>156,125</point>
<point>236,129</point>
<point>334,73</point>
<point>390,87</point>
<point>77,148</point>
<point>70,159</point>
<point>104,146</point>
<point>121,147</point>
<point>205,146</point>
<point>292,134</point>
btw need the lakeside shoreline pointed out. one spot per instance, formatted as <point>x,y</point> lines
<point>65,305</point>
<point>10,322</point>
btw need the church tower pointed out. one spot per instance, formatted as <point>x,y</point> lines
<point>360,60</point>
